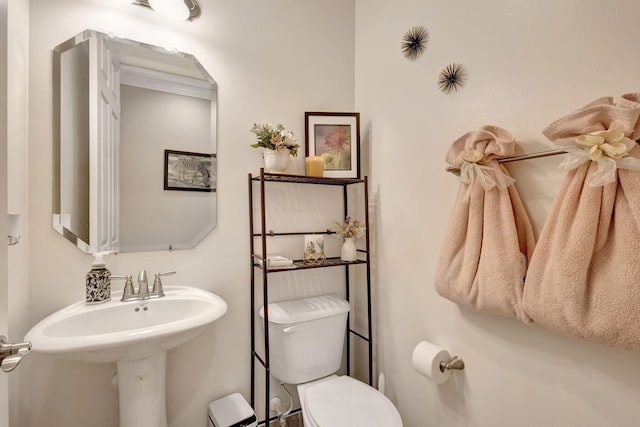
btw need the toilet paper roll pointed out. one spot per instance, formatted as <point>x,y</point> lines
<point>426,360</point>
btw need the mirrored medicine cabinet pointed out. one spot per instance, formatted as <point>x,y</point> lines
<point>134,145</point>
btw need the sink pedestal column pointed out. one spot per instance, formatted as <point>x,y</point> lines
<point>141,389</point>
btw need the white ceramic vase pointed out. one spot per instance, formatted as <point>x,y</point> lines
<point>348,251</point>
<point>275,161</point>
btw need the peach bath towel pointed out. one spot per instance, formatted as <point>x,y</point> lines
<point>486,248</point>
<point>584,277</point>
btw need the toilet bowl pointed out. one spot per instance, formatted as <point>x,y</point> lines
<point>343,401</point>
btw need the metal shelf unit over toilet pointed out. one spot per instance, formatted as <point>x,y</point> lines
<point>256,268</point>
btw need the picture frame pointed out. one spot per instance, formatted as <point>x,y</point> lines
<point>189,171</point>
<point>336,138</point>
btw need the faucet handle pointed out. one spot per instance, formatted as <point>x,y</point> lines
<point>127,292</point>
<point>157,282</point>
<point>143,285</point>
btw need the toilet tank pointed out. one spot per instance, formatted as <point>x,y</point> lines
<point>306,337</point>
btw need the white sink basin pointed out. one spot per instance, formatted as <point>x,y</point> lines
<point>131,330</point>
<point>134,334</point>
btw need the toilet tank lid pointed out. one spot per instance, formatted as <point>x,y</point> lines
<point>303,310</point>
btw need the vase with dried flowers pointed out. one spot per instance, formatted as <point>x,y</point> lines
<point>348,230</point>
<point>277,144</point>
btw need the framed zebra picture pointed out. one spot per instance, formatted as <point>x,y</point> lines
<point>187,171</point>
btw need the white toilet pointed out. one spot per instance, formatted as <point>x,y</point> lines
<point>306,338</point>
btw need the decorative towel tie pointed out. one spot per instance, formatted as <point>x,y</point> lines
<point>487,176</point>
<point>608,148</point>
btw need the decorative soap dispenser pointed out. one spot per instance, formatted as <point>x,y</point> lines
<point>98,281</point>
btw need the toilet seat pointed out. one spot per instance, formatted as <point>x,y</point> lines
<point>346,402</point>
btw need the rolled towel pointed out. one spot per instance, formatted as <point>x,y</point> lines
<point>484,256</point>
<point>584,276</point>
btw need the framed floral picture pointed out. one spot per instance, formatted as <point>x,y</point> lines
<point>336,138</point>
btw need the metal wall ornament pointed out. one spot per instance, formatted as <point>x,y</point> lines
<point>452,78</point>
<point>414,42</point>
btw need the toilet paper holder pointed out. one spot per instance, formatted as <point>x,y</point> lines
<point>455,363</point>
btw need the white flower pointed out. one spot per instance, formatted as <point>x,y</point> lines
<point>472,156</point>
<point>611,143</point>
<point>609,149</point>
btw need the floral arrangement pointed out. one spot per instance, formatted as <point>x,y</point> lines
<point>348,229</point>
<point>275,138</point>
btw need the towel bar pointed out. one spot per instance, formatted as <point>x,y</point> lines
<point>537,155</point>
<point>548,153</point>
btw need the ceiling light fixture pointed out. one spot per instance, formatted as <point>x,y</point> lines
<point>179,10</point>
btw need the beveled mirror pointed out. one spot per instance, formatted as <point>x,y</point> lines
<point>134,145</point>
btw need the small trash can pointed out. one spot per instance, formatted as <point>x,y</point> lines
<point>231,411</point>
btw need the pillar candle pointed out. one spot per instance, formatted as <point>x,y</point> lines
<point>314,166</point>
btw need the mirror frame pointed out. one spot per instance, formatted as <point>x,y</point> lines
<point>57,220</point>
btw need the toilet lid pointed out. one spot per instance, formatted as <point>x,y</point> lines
<point>347,402</point>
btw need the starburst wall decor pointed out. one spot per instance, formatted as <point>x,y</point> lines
<point>414,42</point>
<point>452,78</point>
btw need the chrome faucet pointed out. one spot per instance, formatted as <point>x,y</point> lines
<point>143,285</point>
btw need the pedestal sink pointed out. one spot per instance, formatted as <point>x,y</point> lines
<point>134,334</point>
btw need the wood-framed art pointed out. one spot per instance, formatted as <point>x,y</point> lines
<point>188,171</point>
<point>336,138</point>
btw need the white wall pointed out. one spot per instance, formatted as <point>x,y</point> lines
<point>272,61</point>
<point>529,63</point>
